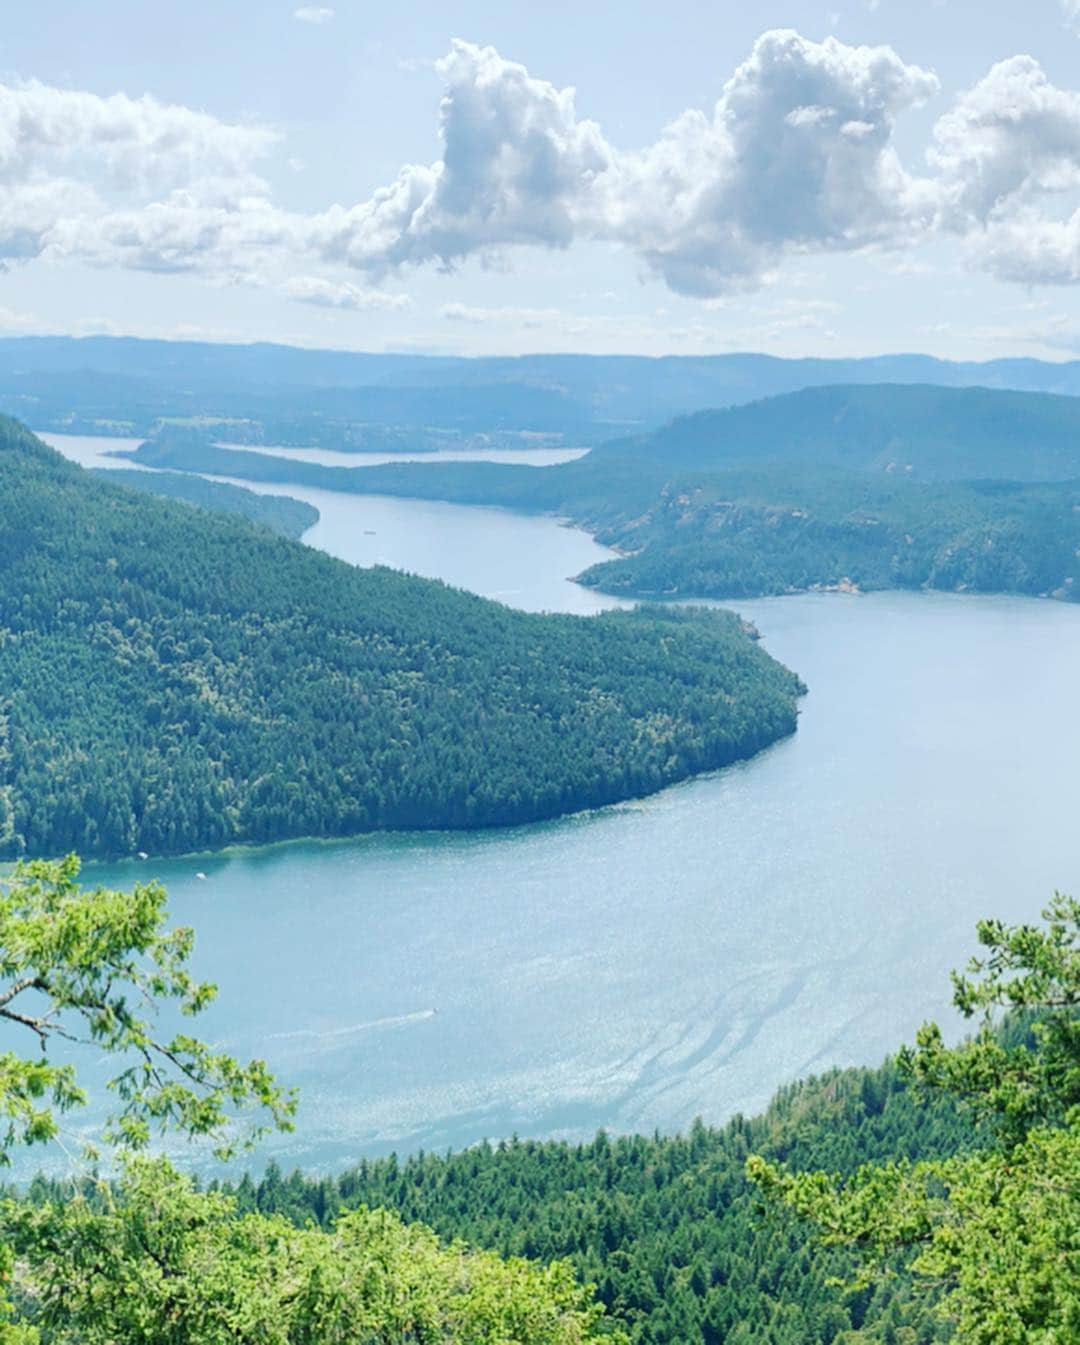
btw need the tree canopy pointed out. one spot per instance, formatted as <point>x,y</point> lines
<point>152,1260</point>
<point>95,967</point>
<point>235,686</point>
<point>279,513</point>
<point>881,487</point>
<point>999,1228</point>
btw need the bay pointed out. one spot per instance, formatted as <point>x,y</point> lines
<point>681,955</point>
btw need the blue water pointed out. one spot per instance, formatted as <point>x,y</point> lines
<point>677,956</point>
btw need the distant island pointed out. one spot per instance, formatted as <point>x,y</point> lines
<point>235,686</point>
<point>960,489</point>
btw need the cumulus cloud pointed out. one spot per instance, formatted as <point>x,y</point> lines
<point>232,240</point>
<point>66,157</point>
<point>517,167</point>
<point>136,141</point>
<point>1008,147</point>
<point>1014,134</point>
<point>797,157</point>
<point>313,14</point>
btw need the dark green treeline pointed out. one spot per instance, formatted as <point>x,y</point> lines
<point>668,1229</point>
<point>174,680</point>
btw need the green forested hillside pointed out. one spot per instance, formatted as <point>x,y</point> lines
<point>668,1228</point>
<point>802,491</point>
<point>931,433</point>
<point>785,529</point>
<point>172,680</point>
<point>279,513</point>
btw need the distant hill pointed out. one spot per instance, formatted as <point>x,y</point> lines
<point>263,393</point>
<point>931,433</point>
<point>875,487</point>
<point>173,680</point>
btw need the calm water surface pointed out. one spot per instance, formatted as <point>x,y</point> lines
<point>525,561</point>
<point>329,457</point>
<point>683,955</point>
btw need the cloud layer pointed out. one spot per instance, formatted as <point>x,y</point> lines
<point>797,157</point>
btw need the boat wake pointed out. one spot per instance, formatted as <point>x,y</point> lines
<point>398,1020</point>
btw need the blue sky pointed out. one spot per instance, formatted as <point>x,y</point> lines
<point>836,179</point>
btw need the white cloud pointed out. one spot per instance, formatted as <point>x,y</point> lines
<point>796,158</point>
<point>797,155</point>
<point>1012,135</point>
<point>1007,148</point>
<point>327,293</point>
<point>241,240</point>
<point>130,143</point>
<point>66,157</point>
<point>1029,249</point>
<point>517,317</point>
<point>313,14</point>
<point>517,168</point>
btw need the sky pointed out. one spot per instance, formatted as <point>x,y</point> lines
<point>848,178</point>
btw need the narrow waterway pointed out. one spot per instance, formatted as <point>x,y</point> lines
<point>682,955</point>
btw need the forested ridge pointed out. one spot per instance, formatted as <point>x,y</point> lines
<point>949,1209</point>
<point>279,513</point>
<point>172,680</point>
<point>668,1228</point>
<point>788,529</point>
<point>878,487</point>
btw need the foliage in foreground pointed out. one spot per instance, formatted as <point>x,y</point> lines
<point>151,1259</point>
<point>155,1262</point>
<point>997,1229</point>
<point>959,1179</point>
<point>667,1227</point>
<point>94,967</point>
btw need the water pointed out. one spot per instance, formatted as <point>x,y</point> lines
<point>329,457</point>
<point>92,450</point>
<point>526,561</point>
<point>677,956</point>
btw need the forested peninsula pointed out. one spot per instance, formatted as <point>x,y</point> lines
<point>869,487</point>
<point>173,680</point>
<point>279,513</point>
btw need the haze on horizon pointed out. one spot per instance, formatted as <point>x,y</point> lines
<point>832,179</point>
